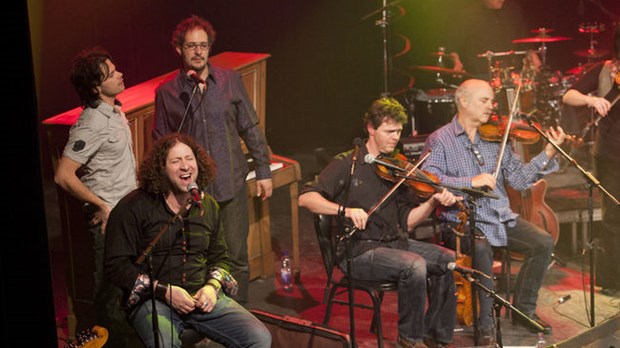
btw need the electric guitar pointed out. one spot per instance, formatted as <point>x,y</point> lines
<point>93,338</point>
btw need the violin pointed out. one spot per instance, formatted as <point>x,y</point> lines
<point>424,188</point>
<point>426,184</point>
<point>520,131</point>
<point>464,306</point>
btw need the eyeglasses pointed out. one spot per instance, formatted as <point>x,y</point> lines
<point>476,151</point>
<point>194,45</point>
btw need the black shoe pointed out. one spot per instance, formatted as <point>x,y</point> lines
<point>518,320</point>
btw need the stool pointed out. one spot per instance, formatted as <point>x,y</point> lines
<point>504,278</point>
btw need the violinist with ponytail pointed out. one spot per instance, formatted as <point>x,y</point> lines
<point>599,89</point>
<point>381,247</point>
<point>460,157</point>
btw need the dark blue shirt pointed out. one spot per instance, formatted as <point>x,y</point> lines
<point>216,118</point>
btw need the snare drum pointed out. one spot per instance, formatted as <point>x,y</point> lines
<point>433,108</point>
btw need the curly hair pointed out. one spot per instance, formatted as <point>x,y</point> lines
<point>191,23</point>
<point>88,71</point>
<point>382,109</point>
<point>152,172</point>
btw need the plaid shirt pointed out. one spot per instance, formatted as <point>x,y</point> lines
<point>455,160</point>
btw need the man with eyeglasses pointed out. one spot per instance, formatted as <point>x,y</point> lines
<point>459,157</point>
<point>211,104</point>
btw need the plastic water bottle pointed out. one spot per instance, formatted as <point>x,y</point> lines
<point>541,343</point>
<point>285,272</point>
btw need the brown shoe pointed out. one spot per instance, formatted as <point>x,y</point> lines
<point>404,343</point>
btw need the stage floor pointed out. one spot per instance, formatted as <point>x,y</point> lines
<point>569,319</point>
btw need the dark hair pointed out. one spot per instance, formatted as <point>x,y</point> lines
<point>382,109</point>
<point>152,172</point>
<point>188,24</point>
<point>88,71</point>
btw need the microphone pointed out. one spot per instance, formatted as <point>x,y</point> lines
<point>465,270</point>
<point>564,299</point>
<point>192,188</point>
<point>194,76</point>
<point>370,159</point>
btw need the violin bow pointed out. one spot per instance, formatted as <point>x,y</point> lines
<point>512,110</point>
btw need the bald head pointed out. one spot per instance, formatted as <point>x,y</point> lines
<point>474,100</point>
<point>468,88</point>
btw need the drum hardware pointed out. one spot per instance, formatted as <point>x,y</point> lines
<point>591,29</point>
<point>383,23</point>
<point>442,70</point>
<point>432,109</point>
<point>543,38</point>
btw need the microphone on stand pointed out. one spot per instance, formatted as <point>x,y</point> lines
<point>194,76</point>
<point>198,80</point>
<point>370,159</point>
<point>192,188</point>
<point>465,270</point>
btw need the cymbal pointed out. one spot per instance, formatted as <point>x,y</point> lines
<point>441,70</point>
<point>541,39</point>
<point>591,53</point>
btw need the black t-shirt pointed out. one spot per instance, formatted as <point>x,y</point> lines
<point>607,140</point>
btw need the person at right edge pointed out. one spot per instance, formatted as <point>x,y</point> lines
<point>461,157</point>
<point>593,90</point>
<point>220,115</point>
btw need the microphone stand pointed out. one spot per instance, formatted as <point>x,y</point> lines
<point>591,181</point>
<point>146,255</point>
<point>498,303</point>
<point>189,103</point>
<point>348,252</point>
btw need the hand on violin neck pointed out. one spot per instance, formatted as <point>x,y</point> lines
<point>445,198</point>
<point>557,136</point>
<point>484,180</point>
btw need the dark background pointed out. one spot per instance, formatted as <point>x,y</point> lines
<point>325,68</point>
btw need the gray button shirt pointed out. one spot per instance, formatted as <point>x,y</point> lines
<point>101,141</point>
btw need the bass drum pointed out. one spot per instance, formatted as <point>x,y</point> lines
<point>433,108</point>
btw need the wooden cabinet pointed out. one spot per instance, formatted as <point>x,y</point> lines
<point>138,105</point>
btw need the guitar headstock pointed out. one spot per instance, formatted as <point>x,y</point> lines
<point>93,338</point>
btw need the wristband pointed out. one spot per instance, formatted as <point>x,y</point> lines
<point>341,211</point>
<point>215,285</point>
<point>160,291</point>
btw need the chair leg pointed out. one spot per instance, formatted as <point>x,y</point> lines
<point>373,324</point>
<point>376,317</point>
<point>328,310</point>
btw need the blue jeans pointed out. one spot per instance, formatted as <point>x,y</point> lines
<point>228,324</point>
<point>420,271</point>
<point>235,218</point>
<point>525,238</point>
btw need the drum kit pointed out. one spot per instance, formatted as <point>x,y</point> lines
<point>541,89</point>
